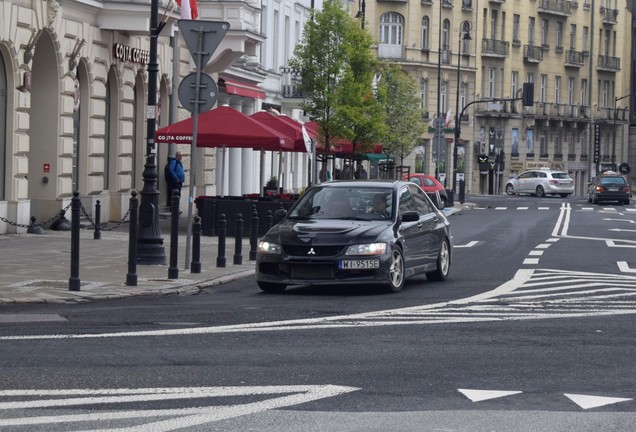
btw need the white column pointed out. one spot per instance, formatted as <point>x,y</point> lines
<point>247,162</point>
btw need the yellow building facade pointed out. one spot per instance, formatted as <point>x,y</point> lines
<point>471,59</point>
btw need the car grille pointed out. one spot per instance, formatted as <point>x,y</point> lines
<point>309,271</point>
<point>318,251</point>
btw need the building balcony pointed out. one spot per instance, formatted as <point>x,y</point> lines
<point>447,3</point>
<point>532,54</point>
<point>290,83</point>
<point>467,5</point>
<point>610,16</point>
<point>426,2</point>
<point>555,7</point>
<point>608,63</point>
<point>574,58</point>
<point>386,51</point>
<point>495,48</point>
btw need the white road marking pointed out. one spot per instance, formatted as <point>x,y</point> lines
<point>619,220</point>
<point>481,395</point>
<point>536,253</point>
<point>467,245</point>
<point>285,396</point>
<point>624,267</point>
<point>522,208</point>
<point>587,209</point>
<point>615,244</point>
<point>543,246</point>
<point>501,208</point>
<point>587,402</point>
<point>544,208</point>
<point>552,240</point>
<point>621,230</point>
<point>531,261</point>
<point>530,294</point>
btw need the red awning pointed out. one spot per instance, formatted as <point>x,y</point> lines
<point>226,127</point>
<point>285,125</point>
<point>241,88</point>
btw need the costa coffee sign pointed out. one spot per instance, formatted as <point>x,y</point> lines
<point>130,54</point>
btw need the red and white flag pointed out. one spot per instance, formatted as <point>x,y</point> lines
<point>189,9</point>
<point>448,119</point>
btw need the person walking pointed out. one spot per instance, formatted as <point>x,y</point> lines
<point>175,175</point>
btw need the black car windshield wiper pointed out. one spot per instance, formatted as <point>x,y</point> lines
<point>349,218</point>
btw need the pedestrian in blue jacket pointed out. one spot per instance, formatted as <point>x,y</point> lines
<point>175,175</point>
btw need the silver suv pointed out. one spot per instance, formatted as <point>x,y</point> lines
<point>541,182</point>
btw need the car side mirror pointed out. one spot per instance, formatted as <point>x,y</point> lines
<point>410,216</point>
<point>279,215</point>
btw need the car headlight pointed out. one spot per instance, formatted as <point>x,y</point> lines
<point>367,249</point>
<point>268,247</point>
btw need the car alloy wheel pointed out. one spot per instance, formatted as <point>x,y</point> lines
<point>396,271</point>
<point>510,190</point>
<point>540,191</point>
<point>443,264</point>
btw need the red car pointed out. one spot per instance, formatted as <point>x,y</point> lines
<point>431,186</point>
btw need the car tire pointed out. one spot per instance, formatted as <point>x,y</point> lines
<point>510,190</point>
<point>626,202</point>
<point>271,287</point>
<point>564,195</point>
<point>593,200</point>
<point>589,199</point>
<point>443,264</point>
<point>540,192</point>
<point>396,271</point>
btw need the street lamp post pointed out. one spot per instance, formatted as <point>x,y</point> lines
<point>465,27</point>
<point>361,10</point>
<point>616,99</point>
<point>150,248</point>
<point>439,121</point>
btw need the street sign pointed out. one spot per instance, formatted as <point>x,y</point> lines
<point>204,97</point>
<point>624,168</point>
<point>202,38</point>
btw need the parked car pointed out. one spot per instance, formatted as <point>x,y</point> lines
<point>541,182</point>
<point>356,232</point>
<point>609,186</point>
<point>431,186</point>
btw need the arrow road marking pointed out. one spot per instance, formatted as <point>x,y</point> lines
<point>284,396</point>
<point>614,244</point>
<point>482,395</point>
<point>587,402</point>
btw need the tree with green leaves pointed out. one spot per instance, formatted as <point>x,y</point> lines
<point>398,92</point>
<point>336,64</point>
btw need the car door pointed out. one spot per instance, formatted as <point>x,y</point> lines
<point>524,180</point>
<point>411,233</point>
<point>429,222</point>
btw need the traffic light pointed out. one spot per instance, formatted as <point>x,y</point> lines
<point>528,94</point>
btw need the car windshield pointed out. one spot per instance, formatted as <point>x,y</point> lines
<point>344,203</point>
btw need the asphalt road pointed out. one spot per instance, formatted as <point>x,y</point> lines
<point>533,331</point>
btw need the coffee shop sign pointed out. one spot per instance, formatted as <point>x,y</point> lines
<point>130,54</point>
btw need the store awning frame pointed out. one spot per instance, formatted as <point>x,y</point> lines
<point>239,88</point>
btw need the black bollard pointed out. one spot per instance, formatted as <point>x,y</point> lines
<point>97,234</point>
<point>74,281</point>
<point>238,241</point>
<point>462,191</point>
<point>254,234</point>
<point>173,270</point>
<point>131,277</point>
<point>33,228</point>
<point>269,220</point>
<point>221,231</point>
<point>195,265</point>
<point>61,223</point>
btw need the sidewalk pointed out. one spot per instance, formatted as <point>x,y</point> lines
<point>36,268</point>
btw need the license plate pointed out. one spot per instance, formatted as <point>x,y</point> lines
<point>358,264</point>
<point>612,189</point>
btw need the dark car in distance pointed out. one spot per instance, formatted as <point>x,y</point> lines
<point>609,186</point>
<point>356,232</point>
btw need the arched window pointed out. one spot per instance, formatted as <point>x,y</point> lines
<point>391,27</point>
<point>445,41</point>
<point>425,32</point>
